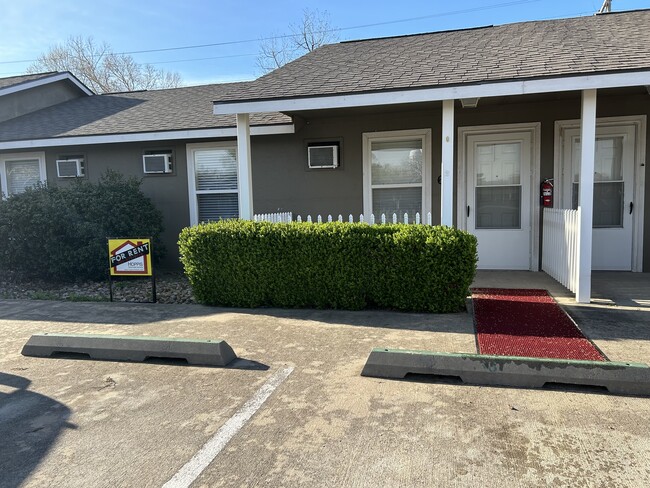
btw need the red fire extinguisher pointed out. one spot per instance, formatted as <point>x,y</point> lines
<point>547,192</point>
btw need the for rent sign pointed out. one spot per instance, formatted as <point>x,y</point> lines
<point>128,257</point>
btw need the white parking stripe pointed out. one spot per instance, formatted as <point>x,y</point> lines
<point>202,459</point>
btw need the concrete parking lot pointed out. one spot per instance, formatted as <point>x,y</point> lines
<point>67,422</point>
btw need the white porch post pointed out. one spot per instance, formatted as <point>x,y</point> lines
<point>447,190</point>
<point>586,193</point>
<point>244,172</point>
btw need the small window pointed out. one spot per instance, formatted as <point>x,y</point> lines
<point>71,166</point>
<point>21,171</point>
<point>158,161</point>
<point>396,168</point>
<point>212,175</point>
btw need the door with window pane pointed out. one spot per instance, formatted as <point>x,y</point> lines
<point>396,169</point>
<point>613,193</point>
<point>498,199</point>
<point>215,183</point>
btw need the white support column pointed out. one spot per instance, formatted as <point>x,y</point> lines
<point>586,194</point>
<point>447,180</point>
<point>244,167</point>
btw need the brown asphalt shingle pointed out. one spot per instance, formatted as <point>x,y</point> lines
<point>17,80</point>
<point>582,45</point>
<point>133,112</point>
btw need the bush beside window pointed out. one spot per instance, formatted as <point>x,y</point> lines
<point>333,265</point>
<point>59,233</point>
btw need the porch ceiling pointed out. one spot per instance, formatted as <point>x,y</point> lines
<point>483,102</point>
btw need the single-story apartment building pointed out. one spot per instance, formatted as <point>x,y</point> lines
<point>464,125</point>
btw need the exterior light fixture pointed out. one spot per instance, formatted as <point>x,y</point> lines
<point>469,102</point>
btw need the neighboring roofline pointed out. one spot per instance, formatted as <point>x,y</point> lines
<point>257,130</point>
<point>26,85</point>
<point>414,95</point>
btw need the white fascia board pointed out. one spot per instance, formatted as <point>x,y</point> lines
<point>506,88</point>
<point>44,81</point>
<point>261,130</point>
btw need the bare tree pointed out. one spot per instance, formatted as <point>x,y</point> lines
<point>314,30</point>
<point>102,70</point>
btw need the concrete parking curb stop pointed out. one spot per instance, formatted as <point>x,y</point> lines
<point>131,348</point>
<point>477,369</point>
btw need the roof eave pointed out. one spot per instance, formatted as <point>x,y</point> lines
<point>429,94</point>
<point>66,75</point>
<point>190,134</point>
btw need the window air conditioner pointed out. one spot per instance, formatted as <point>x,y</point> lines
<point>323,156</point>
<point>70,168</point>
<point>157,163</point>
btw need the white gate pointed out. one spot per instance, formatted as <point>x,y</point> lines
<point>560,245</point>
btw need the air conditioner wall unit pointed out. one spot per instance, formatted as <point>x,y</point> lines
<point>70,168</point>
<point>157,163</point>
<point>320,156</point>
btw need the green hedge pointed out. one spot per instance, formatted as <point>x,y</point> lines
<point>59,233</point>
<point>333,265</point>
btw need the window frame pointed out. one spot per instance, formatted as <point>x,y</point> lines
<point>191,176</point>
<point>396,136</point>
<point>8,157</point>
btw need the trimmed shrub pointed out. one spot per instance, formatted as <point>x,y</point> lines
<point>332,265</point>
<point>59,233</point>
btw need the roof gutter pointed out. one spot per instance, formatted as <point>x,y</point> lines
<point>503,88</point>
<point>261,130</point>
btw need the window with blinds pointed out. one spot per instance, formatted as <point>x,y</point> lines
<point>215,173</point>
<point>21,171</point>
<point>396,176</point>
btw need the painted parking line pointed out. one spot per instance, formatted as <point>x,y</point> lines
<point>202,459</point>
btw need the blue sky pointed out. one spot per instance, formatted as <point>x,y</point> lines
<point>29,27</point>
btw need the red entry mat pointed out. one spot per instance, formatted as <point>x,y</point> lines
<point>527,323</point>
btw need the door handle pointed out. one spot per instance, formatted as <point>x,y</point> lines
<point>631,207</point>
<point>468,210</point>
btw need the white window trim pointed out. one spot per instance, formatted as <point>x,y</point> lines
<point>461,206</point>
<point>191,176</point>
<point>398,135</point>
<point>640,123</point>
<point>4,158</point>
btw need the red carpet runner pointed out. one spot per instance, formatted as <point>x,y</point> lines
<point>527,323</point>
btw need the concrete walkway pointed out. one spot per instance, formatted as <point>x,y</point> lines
<point>70,422</point>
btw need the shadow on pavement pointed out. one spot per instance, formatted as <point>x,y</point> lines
<point>611,323</point>
<point>29,425</point>
<point>138,314</point>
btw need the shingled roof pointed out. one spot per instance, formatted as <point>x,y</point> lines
<point>606,43</point>
<point>17,80</point>
<point>174,109</point>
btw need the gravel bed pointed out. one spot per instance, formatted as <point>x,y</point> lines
<point>170,288</point>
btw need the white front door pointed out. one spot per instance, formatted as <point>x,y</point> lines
<point>498,198</point>
<point>613,192</point>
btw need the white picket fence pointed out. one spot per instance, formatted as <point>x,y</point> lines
<point>276,218</point>
<point>370,219</point>
<point>284,217</point>
<point>560,246</point>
